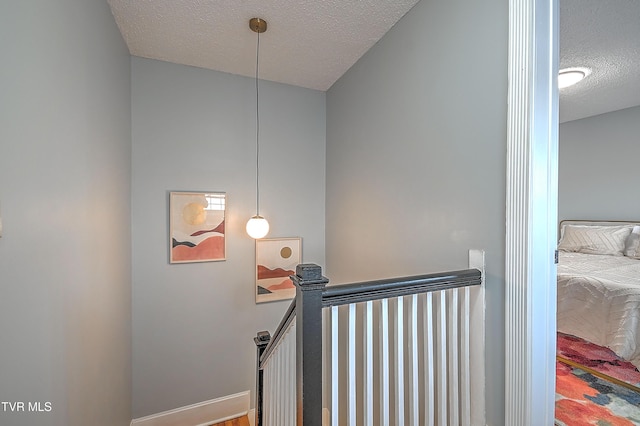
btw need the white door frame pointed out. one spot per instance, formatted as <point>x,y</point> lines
<point>531,213</point>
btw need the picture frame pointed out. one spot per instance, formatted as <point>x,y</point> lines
<point>276,260</point>
<point>197,227</point>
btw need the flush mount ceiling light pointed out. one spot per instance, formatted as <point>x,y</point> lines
<point>570,76</point>
<point>257,226</point>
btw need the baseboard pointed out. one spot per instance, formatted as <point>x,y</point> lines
<point>202,413</point>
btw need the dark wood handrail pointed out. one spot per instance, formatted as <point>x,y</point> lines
<point>396,287</point>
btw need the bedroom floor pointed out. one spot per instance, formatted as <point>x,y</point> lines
<point>594,386</point>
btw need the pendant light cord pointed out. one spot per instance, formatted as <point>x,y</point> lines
<point>257,130</point>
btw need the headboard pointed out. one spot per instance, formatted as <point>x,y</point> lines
<point>594,222</point>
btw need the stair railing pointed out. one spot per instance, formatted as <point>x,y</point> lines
<point>401,351</point>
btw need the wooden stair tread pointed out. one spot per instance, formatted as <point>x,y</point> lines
<point>240,421</point>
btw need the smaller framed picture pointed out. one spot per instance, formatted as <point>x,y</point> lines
<point>196,227</point>
<point>276,259</point>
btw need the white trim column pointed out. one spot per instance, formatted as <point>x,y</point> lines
<point>532,187</point>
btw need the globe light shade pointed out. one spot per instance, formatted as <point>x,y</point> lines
<point>257,227</point>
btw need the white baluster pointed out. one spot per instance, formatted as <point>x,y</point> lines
<point>368,364</point>
<point>453,359</point>
<point>442,361</point>
<point>269,393</point>
<point>351,372</point>
<point>465,391</point>
<point>284,381</point>
<point>429,361</point>
<point>291,388</point>
<point>334,367</point>
<point>384,362</point>
<point>278,385</point>
<point>413,370</point>
<point>266,395</point>
<point>399,370</point>
<point>326,368</point>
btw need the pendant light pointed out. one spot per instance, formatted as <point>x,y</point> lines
<point>257,226</point>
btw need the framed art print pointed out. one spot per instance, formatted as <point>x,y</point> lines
<point>276,259</point>
<point>196,226</point>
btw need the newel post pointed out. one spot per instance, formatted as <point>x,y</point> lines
<point>309,284</point>
<point>261,340</point>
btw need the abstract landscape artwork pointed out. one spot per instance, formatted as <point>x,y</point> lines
<point>196,231</point>
<point>276,259</point>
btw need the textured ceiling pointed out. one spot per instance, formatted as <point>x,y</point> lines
<point>308,43</point>
<point>605,37</point>
<point>311,43</point>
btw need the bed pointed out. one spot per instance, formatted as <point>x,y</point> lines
<point>599,284</point>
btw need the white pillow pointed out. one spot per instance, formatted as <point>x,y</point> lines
<point>632,244</point>
<point>609,240</point>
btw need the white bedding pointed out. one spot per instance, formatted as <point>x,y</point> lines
<point>599,300</point>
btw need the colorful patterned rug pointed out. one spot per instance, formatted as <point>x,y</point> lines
<point>603,361</point>
<point>594,386</point>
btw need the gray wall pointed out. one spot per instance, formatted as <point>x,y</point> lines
<point>416,167</point>
<point>598,167</point>
<point>194,130</point>
<point>65,274</point>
